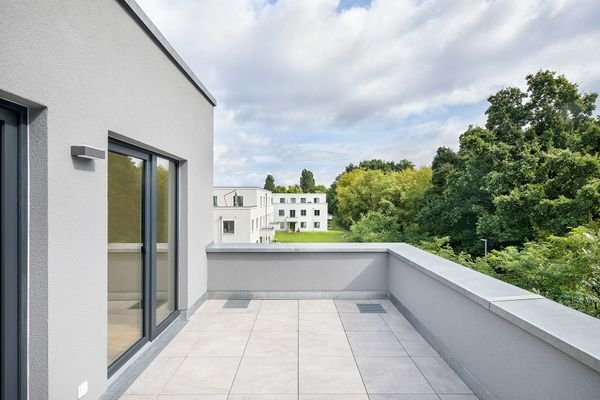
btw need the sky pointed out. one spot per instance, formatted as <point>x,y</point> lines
<point>319,84</point>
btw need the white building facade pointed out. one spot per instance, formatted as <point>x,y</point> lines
<point>304,212</point>
<point>242,215</point>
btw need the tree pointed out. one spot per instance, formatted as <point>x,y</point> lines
<point>270,183</point>
<point>280,189</point>
<point>307,181</point>
<point>320,189</point>
<point>533,171</point>
<point>368,165</point>
<point>294,189</point>
<point>362,191</point>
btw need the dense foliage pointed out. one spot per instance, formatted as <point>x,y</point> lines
<point>269,183</point>
<point>533,171</point>
<point>528,182</point>
<point>565,269</point>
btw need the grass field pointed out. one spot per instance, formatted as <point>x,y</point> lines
<point>334,236</point>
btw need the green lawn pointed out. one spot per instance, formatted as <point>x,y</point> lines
<point>334,236</point>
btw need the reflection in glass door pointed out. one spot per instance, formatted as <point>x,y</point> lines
<point>142,249</point>
<point>166,254</point>
<point>125,255</point>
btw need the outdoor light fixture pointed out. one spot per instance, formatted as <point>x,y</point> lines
<point>87,152</point>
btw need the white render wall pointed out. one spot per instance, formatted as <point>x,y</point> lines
<point>87,70</point>
<point>310,206</point>
<point>253,222</point>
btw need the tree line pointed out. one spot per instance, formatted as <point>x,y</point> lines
<point>527,182</point>
<point>306,184</point>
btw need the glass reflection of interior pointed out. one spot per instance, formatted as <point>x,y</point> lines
<point>125,258</point>
<point>166,254</point>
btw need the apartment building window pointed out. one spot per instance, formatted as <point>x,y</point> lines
<point>293,200</point>
<point>317,224</point>
<point>292,213</point>
<point>281,225</point>
<point>282,213</point>
<point>228,226</point>
<point>238,201</point>
<point>317,213</point>
<point>282,200</point>
<point>303,200</point>
<point>302,224</point>
<point>215,201</point>
<point>316,199</point>
<point>303,213</point>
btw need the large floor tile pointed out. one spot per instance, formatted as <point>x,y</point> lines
<point>388,306</point>
<point>395,321</point>
<point>210,306</point>
<point>363,322</point>
<point>375,343</point>
<point>333,397</point>
<point>138,397</point>
<point>181,345</point>
<point>198,322</point>
<point>203,375</point>
<point>392,375</point>
<point>330,375</point>
<point>404,397</point>
<point>418,348</point>
<point>272,343</point>
<point>276,322</point>
<point>407,333</point>
<point>267,375</point>
<point>231,322</point>
<point>349,306</point>
<point>263,397</point>
<point>320,322</point>
<point>458,397</point>
<point>192,397</point>
<point>441,376</point>
<point>219,343</point>
<point>155,376</point>
<point>279,307</point>
<point>324,344</point>
<point>319,305</point>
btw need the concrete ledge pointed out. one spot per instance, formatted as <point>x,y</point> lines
<point>296,248</point>
<point>300,295</point>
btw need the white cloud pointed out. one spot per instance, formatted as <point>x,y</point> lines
<point>297,81</point>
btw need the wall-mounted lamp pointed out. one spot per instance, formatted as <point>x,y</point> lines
<point>88,152</point>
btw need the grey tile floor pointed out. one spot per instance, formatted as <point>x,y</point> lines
<point>300,350</point>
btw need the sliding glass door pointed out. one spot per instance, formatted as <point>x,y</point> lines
<point>142,249</point>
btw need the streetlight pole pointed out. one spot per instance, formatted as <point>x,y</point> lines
<point>485,241</point>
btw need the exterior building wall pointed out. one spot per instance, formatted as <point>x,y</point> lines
<point>87,71</point>
<point>284,203</point>
<point>253,221</point>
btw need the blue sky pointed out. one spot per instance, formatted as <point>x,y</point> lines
<point>318,84</point>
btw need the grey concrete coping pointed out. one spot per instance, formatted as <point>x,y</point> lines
<point>296,248</point>
<point>568,330</point>
<point>145,22</point>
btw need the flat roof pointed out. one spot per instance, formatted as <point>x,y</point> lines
<point>144,22</point>
<point>240,187</point>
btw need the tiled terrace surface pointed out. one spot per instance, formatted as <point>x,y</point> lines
<point>298,349</point>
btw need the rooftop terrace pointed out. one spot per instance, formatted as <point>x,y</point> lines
<point>284,321</point>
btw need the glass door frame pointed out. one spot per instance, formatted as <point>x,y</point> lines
<point>150,330</point>
<point>13,256</point>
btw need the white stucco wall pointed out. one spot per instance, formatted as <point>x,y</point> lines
<point>310,206</point>
<point>95,71</point>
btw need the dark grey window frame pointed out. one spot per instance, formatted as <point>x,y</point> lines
<point>292,213</point>
<point>14,256</point>
<point>232,232</point>
<point>281,213</point>
<point>151,330</point>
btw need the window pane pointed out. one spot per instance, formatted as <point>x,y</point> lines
<point>166,251</point>
<point>125,259</point>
